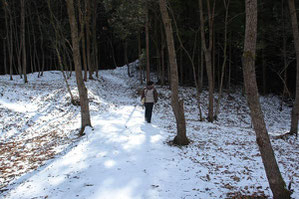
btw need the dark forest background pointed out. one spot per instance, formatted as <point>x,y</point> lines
<point>119,29</point>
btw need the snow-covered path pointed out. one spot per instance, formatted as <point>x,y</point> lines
<point>116,160</point>
<point>121,157</point>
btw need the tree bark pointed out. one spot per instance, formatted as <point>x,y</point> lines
<point>176,103</point>
<point>295,110</point>
<point>147,45</point>
<point>85,115</point>
<point>275,179</point>
<point>94,39</point>
<point>208,53</point>
<point>4,57</point>
<point>23,41</point>
<point>6,37</point>
<point>87,33</point>
<point>162,56</point>
<point>139,54</point>
<point>10,44</point>
<point>226,5</point>
<point>82,38</point>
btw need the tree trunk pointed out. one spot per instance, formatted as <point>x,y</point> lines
<point>275,179</point>
<point>226,5</point>
<point>7,36</point>
<point>85,115</point>
<point>229,64</point>
<point>23,41</point>
<point>208,53</point>
<point>201,68</point>
<point>176,103</point>
<point>4,57</point>
<point>94,40</point>
<point>10,46</point>
<point>87,33</point>
<point>18,47</point>
<point>82,38</point>
<point>30,32</point>
<point>295,110</point>
<point>139,54</point>
<point>284,52</point>
<point>162,56</point>
<point>41,46</point>
<point>147,45</point>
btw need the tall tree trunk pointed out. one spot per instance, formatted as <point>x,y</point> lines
<point>295,110</point>
<point>147,45</point>
<point>82,38</point>
<point>85,115</point>
<point>7,40</point>
<point>208,52</point>
<point>30,31</point>
<point>139,54</point>
<point>88,33</point>
<point>162,56</point>
<point>226,5</point>
<point>176,103</point>
<point>10,46</point>
<point>23,41</point>
<point>229,64</point>
<point>94,40</point>
<point>18,46</point>
<point>284,52</point>
<point>39,67</point>
<point>4,57</point>
<point>201,67</point>
<point>275,179</point>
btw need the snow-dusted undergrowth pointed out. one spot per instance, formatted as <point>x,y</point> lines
<point>41,155</point>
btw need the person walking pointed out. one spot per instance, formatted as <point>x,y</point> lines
<point>149,96</point>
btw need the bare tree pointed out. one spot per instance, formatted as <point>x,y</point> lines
<point>208,51</point>
<point>23,41</point>
<point>176,103</point>
<point>275,179</point>
<point>147,44</point>
<point>8,38</point>
<point>85,115</point>
<point>94,53</point>
<point>295,110</point>
<point>88,37</point>
<point>226,5</point>
<point>82,22</point>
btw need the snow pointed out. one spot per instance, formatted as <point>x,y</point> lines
<point>123,157</point>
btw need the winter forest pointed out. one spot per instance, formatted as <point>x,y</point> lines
<point>224,125</point>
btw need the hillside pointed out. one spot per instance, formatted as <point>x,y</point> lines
<point>121,156</point>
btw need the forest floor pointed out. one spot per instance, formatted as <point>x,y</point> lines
<point>121,156</point>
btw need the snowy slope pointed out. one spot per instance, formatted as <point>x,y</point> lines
<point>123,157</point>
